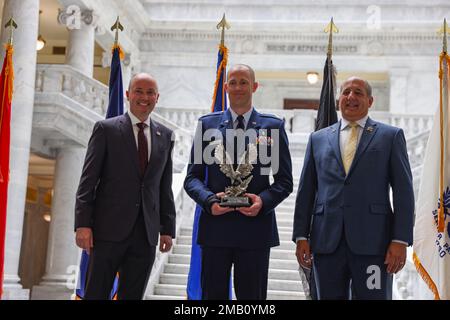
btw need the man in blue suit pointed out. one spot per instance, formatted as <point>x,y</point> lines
<point>344,220</point>
<point>239,237</point>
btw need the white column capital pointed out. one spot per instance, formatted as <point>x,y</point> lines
<point>73,17</point>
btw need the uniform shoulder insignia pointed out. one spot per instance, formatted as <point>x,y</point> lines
<point>212,114</point>
<point>272,116</point>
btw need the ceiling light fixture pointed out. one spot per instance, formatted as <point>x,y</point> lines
<point>40,43</point>
<point>312,77</point>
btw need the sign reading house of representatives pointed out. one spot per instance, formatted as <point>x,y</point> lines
<point>308,48</point>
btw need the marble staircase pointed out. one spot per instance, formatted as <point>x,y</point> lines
<point>284,279</point>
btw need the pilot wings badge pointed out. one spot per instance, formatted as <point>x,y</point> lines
<point>240,178</point>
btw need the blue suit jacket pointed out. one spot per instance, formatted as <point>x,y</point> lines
<point>330,203</point>
<point>234,229</point>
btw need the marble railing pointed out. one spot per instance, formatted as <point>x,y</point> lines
<point>185,208</point>
<point>405,282</point>
<point>91,100</point>
<point>54,78</point>
<point>303,121</point>
<point>417,145</point>
<point>184,118</point>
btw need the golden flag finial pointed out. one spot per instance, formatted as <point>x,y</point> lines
<point>13,25</point>
<point>330,28</point>
<point>223,24</point>
<point>444,30</point>
<point>116,26</point>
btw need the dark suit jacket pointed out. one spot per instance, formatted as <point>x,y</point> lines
<point>233,229</point>
<point>112,188</point>
<point>357,204</point>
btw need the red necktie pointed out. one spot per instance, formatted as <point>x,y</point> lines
<point>142,147</point>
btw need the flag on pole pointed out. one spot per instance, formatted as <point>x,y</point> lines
<point>431,246</point>
<point>6,93</point>
<point>115,108</point>
<point>194,290</point>
<point>326,114</point>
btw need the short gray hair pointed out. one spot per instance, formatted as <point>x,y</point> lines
<point>366,85</point>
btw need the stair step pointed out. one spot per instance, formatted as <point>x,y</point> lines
<point>164,297</point>
<point>184,247</point>
<point>285,295</point>
<point>274,273</point>
<point>284,279</point>
<point>290,264</point>
<point>273,284</point>
<point>283,264</point>
<point>274,252</point>
<point>280,274</point>
<point>170,290</point>
<point>180,290</point>
<point>284,244</point>
<point>176,268</point>
<point>187,230</point>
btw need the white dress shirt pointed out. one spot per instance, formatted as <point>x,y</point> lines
<point>246,116</point>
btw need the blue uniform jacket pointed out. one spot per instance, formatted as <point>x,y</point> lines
<point>234,229</point>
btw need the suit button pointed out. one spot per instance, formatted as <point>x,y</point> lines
<point>137,205</point>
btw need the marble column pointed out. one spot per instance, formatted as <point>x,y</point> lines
<point>26,14</point>
<point>398,78</point>
<point>62,252</point>
<point>80,47</point>
<point>127,72</point>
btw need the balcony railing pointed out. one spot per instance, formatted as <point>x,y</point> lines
<point>303,121</point>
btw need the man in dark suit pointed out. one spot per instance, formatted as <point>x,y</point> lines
<point>124,200</point>
<point>239,236</point>
<point>343,214</point>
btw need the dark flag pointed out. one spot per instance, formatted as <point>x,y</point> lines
<point>326,114</point>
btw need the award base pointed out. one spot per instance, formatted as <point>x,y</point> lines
<point>235,202</point>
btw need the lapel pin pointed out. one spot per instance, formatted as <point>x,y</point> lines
<point>369,129</point>
<point>158,133</point>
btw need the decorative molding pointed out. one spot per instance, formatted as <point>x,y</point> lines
<point>72,16</point>
<point>394,36</point>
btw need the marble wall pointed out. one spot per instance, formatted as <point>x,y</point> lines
<point>394,39</point>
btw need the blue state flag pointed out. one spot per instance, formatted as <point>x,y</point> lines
<point>115,108</point>
<point>194,289</point>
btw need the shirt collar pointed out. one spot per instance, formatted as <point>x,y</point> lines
<point>135,120</point>
<point>246,116</point>
<point>361,122</point>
